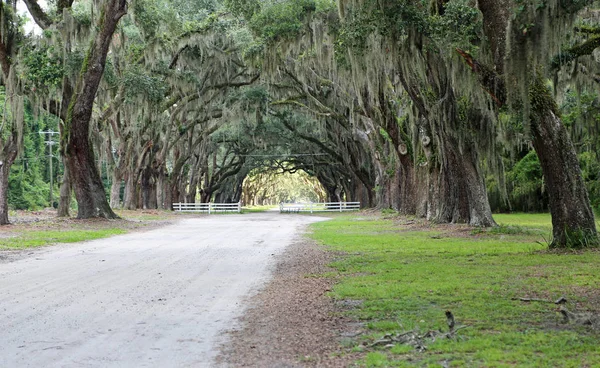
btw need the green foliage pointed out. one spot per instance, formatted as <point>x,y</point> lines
<point>195,10</point>
<point>578,239</point>
<point>590,170</point>
<point>245,8</point>
<point>81,11</point>
<point>283,20</point>
<point>41,67</point>
<point>140,82</point>
<point>28,187</point>
<point>392,19</point>
<point>273,187</point>
<point>460,26</point>
<point>406,279</point>
<point>581,109</point>
<point>148,16</point>
<point>526,184</point>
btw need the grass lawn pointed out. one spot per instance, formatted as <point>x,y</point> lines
<point>41,238</point>
<point>257,209</point>
<point>40,228</point>
<point>404,274</point>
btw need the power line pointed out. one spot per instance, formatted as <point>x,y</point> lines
<point>50,143</point>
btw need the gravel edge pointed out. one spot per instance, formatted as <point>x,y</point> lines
<point>292,322</point>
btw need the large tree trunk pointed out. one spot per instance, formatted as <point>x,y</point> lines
<point>456,189</point>
<point>205,196</point>
<point>89,190</point>
<point>4,173</point>
<point>163,197</point>
<point>130,195</point>
<point>115,189</point>
<point>573,223</point>
<point>407,181</point>
<point>64,202</point>
<point>9,153</point>
<point>455,186</point>
<point>146,188</point>
<point>463,197</point>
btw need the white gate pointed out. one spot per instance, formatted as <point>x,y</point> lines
<point>319,207</point>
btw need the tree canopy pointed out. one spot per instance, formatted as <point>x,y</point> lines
<point>445,109</point>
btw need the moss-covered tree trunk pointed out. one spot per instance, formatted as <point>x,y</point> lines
<point>11,139</point>
<point>7,158</point>
<point>79,154</point>
<point>115,189</point>
<point>462,187</point>
<point>449,169</point>
<point>163,196</point>
<point>146,188</point>
<point>573,223</point>
<point>406,201</point>
<point>64,201</point>
<point>130,195</point>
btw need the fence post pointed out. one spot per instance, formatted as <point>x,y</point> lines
<point>310,205</point>
<point>209,207</point>
<point>240,207</point>
<point>340,206</point>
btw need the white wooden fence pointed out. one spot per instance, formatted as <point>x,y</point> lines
<point>319,207</point>
<point>208,207</point>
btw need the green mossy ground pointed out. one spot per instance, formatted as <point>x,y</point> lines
<point>33,239</point>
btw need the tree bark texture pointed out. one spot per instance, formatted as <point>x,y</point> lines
<point>115,189</point>
<point>7,158</point>
<point>130,195</point>
<point>163,197</point>
<point>89,190</point>
<point>447,168</point>
<point>64,202</point>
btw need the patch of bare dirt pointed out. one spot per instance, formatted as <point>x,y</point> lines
<point>292,322</point>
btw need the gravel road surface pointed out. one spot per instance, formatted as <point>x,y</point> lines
<point>156,299</point>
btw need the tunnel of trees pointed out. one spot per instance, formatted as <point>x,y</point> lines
<point>443,109</point>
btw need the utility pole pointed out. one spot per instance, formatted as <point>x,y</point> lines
<point>49,142</point>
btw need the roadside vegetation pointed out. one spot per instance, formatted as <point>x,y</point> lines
<point>32,239</point>
<point>42,228</point>
<point>399,276</point>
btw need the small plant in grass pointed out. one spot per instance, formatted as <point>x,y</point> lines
<point>389,211</point>
<point>579,239</point>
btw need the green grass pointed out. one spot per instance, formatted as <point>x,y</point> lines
<point>408,279</point>
<point>257,209</point>
<point>539,221</point>
<point>32,239</point>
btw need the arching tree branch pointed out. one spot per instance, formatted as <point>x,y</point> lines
<point>39,16</point>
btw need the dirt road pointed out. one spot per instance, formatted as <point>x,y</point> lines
<point>155,299</point>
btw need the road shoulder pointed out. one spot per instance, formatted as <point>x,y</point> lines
<point>291,322</point>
